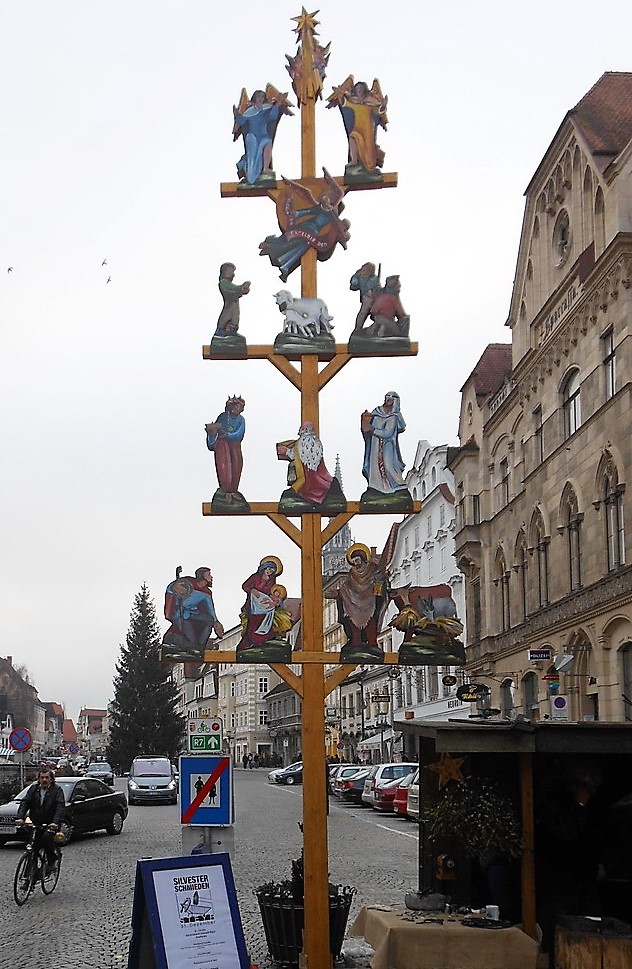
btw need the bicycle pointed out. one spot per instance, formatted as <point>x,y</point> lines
<point>33,867</point>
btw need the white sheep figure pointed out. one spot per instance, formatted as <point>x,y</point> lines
<point>306,317</point>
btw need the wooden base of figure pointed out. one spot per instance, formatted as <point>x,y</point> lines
<point>334,503</point>
<point>398,502</point>
<point>229,346</point>
<point>274,651</point>
<point>265,180</point>
<point>358,175</point>
<point>176,649</point>
<point>363,343</point>
<point>429,650</point>
<point>291,344</point>
<point>360,653</point>
<point>229,504</point>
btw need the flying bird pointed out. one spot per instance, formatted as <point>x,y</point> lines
<point>104,263</point>
<point>108,280</point>
<point>10,269</point>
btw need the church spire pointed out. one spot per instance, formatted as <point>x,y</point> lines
<point>335,549</point>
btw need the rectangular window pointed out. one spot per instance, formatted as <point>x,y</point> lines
<point>609,364</point>
<point>263,718</point>
<point>442,559</point>
<point>406,546</point>
<point>441,515</point>
<point>476,509</point>
<point>263,684</point>
<point>429,526</point>
<point>429,565</point>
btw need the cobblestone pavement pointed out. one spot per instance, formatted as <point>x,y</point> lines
<point>85,923</point>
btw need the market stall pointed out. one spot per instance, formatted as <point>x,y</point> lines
<point>571,787</point>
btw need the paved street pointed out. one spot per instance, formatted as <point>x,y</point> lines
<point>85,924</point>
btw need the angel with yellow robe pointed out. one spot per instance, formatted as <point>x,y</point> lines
<point>363,110</point>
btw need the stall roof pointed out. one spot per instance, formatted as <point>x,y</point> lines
<point>523,736</point>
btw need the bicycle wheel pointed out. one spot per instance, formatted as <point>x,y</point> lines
<point>23,880</point>
<point>49,881</point>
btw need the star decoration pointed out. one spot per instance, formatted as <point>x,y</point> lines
<point>448,769</point>
<point>306,21</point>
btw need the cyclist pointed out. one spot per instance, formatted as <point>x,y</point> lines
<point>44,803</point>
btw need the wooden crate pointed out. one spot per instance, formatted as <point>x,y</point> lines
<point>576,948</point>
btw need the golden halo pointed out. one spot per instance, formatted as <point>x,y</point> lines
<point>358,547</point>
<point>278,564</point>
<point>277,587</point>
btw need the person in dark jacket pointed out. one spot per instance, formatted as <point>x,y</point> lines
<point>44,803</point>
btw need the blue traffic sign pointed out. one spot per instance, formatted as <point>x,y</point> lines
<point>20,739</point>
<point>206,791</point>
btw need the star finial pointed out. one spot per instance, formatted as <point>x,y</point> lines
<point>448,768</point>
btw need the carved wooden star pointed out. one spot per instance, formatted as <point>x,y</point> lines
<point>306,21</point>
<point>448,769</point>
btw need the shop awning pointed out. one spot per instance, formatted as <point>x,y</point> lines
<point>6,752</point>
<point>375,742</point>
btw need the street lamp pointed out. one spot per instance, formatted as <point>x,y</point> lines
<point>383,700</point>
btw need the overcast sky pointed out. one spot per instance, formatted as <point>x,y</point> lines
<point>116,130</point>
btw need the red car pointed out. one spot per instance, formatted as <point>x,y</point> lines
<point>385,795</point>
<point>400,804</point>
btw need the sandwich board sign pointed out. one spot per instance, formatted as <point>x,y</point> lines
<point>185,913</point>
<point>204,735</point>
<point>206,790</point>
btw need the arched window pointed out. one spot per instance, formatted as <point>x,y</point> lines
<point>626,669</point>
<point>572,522</point>
<point>520,568</point>
<point>501,582</point>
<point>507,690</point>
<point>530,703</point>
<point>433,476</point>
<point>613,502</point>
<point>571,404</point>
<point>541,553</point>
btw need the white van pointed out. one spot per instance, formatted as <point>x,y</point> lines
<point>152,781</point>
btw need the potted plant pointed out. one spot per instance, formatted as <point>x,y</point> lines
<point>480,816</point>
<point>282,907</point>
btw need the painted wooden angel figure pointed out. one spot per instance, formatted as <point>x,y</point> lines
<point>255,120</point>
<point>363,110</point>
<point>306,222</point>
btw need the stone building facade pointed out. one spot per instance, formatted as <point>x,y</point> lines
<point>543,518</point>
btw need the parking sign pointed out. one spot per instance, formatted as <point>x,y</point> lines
<point>204,735</point>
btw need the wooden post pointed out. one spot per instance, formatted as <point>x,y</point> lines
<point>528,846</point>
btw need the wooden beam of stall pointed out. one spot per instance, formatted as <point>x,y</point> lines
<point>336,677</point>
<point>527,871</point>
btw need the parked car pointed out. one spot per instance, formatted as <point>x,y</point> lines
<point>151,780</point>
<point>351,788</point>
<point>90,806</point>
<point>347,770</point>
<point>385,796</point>
<point>412,808</point>
<point>380,774</point>
<point>272,775</point>
<point>332,773</point>
<point>400,804</point>
<point>102,771</point>
<point>291,775</point>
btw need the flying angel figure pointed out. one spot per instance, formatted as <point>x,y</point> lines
<point>256,120</point>
<point>362,110</point>
<point>306,223</point>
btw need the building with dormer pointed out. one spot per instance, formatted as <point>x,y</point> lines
<point>543,518</point>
